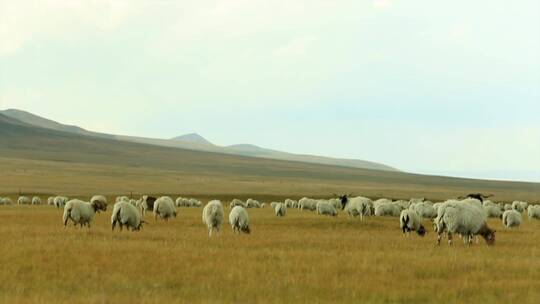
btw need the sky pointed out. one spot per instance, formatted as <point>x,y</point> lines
<point>434,87</point>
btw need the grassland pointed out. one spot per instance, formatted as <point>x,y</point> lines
<point>300,258</point>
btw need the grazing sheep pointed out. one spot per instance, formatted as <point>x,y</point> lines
<point>273,205</point>
<point>182,202</point>
<point>424,209</point>
<point>533,211</point>
<point>212,216</point>
<point>289,203</point>
<point>251,203</point>
<point>263,205</point>
<point>493,211</point>
<point>388,209</point>
<point>125,214</point>
<point>82,213</point>
<point>464,218</point>
<point>307,204</point>
<point>102,199</point>
<point>60,201</point>
<point>236,202</point>
<point>336,202</point>
<point>410,220</point>
<point>356,206</point>
<point>24,200</point>
<point>164,208</point>
<point>519,206</point>
<point>195,202</point>
<point>325,208</point>
<point>239,219</point>
<point>5,201</point>
<point>147,203</point>
<point>508,207</point>
<point>36,200</point>
<point>511,218</point>
<point>50,201</point>
<point>280,209</point>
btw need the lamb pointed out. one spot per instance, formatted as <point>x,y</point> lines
<point>410,220</point>
<point>424,209</point>
<point>212,216</point>
<point>280,209</point>
<point>60,201</point>
<point>164,208</point>
<point>82,213</point>
<point>236,202</point>
<point>251,203</point>
<point>519,206</point>
<point>511,218</point>
<point>493,211</point>
<point>325,208</point>
<point>36,200</point>
<point>464,218</point>
<point>533,211</point>
<point>24,200</point>
<point>307,204</point>
<point>125,214</point>
<point>356,206</point>
<point>239,219</point>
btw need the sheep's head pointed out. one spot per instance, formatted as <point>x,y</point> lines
<point>421,231</point>
<point>488,235</point>
<point>99,206</point>
<point>246,229</point>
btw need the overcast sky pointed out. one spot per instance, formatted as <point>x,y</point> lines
<point>440,87</point>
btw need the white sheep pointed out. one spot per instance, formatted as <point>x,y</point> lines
<point>424,209</point>
<point>239,219</point>
<point>36,200</point>
<point>251,203</point>
<point>102,199</point>
<point>324,207</point>
<point>307,204</point>
<point>164,208</point>
<point>290,203</point>
<point>50,201</point>
<point>273,205</point>
<point>280,209</point>
<point>533,211</point>
<point>519,206</point>
<point>493,211</point>
<point>125,214</point>
<point>511,218</point>
<point>24,200</point>
<point>388,209</point>
<point>6,201</point>
<point>82,213</point>
<point>410,220</point>
<point>507,207</point>
<point>237,202</point>
<point>212,216</point>
<point>464,218</point>
<point>121,198</point>
<point>357,206</point>
<point>182,202</point>
<point>195,202</point>
<point>60,201</point>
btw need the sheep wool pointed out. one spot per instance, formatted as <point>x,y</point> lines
<point>125,214</point>
<point>410,220</point>
<point>511,218</point>
<point>81,213</point>
<point>239,220</point>
<point>212,216</point>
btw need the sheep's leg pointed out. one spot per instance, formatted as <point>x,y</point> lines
<point>466,239</point>
<point>450,237</point>
<point>439,237</point>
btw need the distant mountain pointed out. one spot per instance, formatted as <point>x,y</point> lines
<point>196,142</point>
<point>193,138</point>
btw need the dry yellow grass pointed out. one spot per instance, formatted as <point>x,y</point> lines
<point>300,258</point>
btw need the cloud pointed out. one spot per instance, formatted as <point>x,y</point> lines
<point>296,47</point>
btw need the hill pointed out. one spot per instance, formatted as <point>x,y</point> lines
<point>196,142</point>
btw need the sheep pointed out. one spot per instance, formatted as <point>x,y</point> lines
<point>99,198</point>
<point>182,202</point>
<point>212,216</point>
<point>147,203</point>
<point>511,218</point>
<point>280,209</point>
<point>356,206</point>
<point>464,218</point>
<point>236,202</point>
<point>82,213</point>
<point>195,202</point>
<point>493,211</point>
<point>388,209</point>
<point>289,203</point>
<point>307,204</point>
<point>424,209</point>
<point>125,214</point>
<point>251,203</point>
<point>50,201</point>
<point>24,200</point>
<point>325,208</point>
<point>6,201</point>
<point>164,208</point>
<point>507,207</point>
<point>121,198</point>
<point>273,205</point>
<point>60,201</point>
<point>533,211</point>
<point>239,219</point>
<point>336,202</point>
<point>36,200</point>
<point>519,206</point>
<point>263,205</point>
<point>410,220</point>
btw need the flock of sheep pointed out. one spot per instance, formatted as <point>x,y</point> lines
<point>466,216</point>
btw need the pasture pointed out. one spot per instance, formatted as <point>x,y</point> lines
<point>302,257</point>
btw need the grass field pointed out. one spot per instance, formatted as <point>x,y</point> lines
<point>300,258</point>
